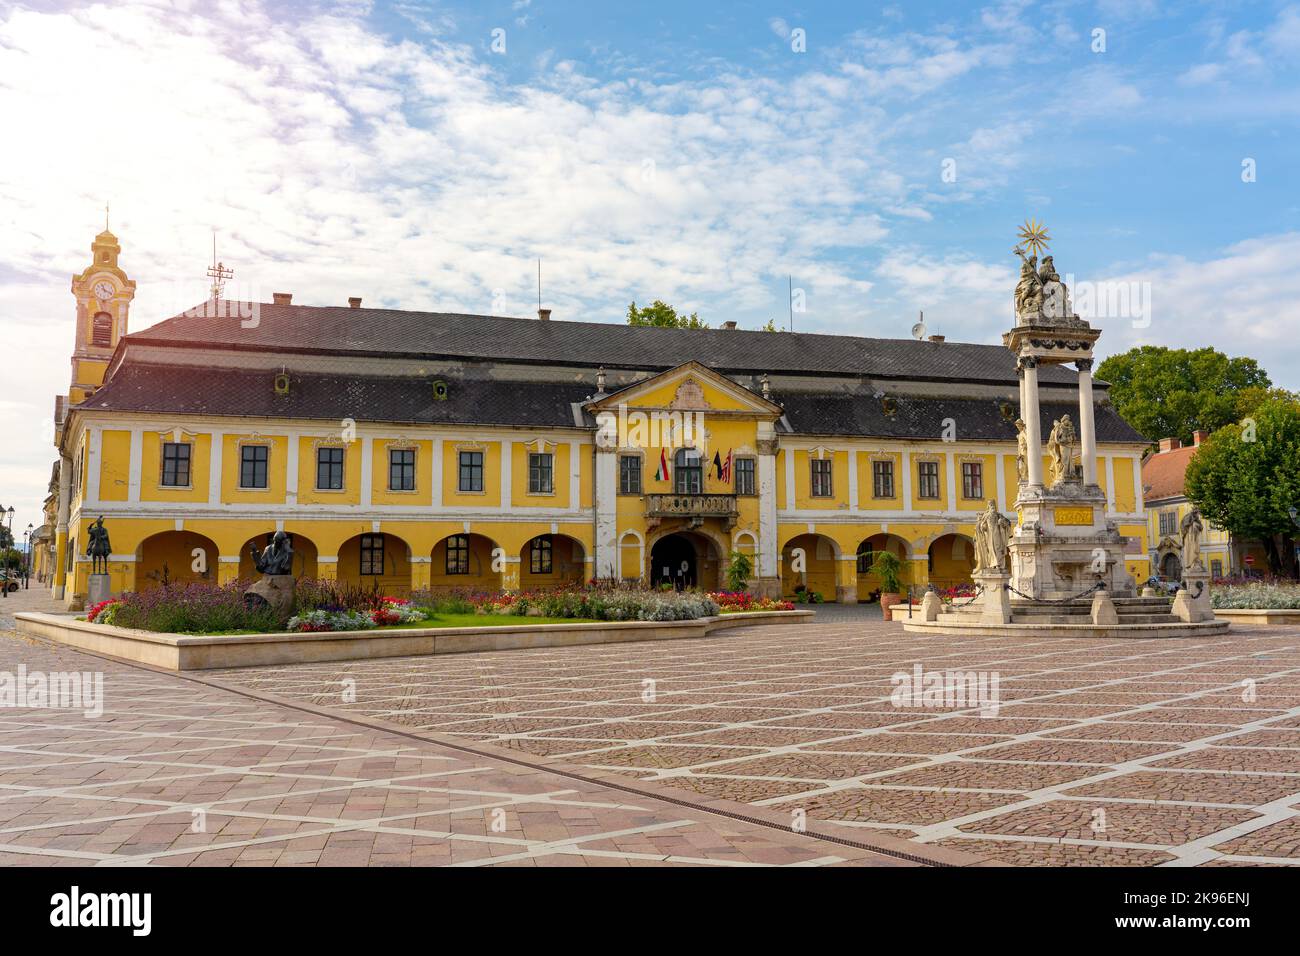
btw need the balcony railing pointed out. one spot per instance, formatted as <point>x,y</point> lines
<point>694,507</point>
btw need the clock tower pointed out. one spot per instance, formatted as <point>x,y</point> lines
<point>104,295</point>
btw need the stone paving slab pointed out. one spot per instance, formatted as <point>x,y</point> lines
<point>1187,747</point>
<point>180,773</point>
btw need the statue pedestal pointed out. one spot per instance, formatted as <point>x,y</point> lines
<point>1064,543</point>
<point>1192,603</point>
<point>994,600</point>
<point>275,591</point>
<point>931,606</point>
<point>99,587</point>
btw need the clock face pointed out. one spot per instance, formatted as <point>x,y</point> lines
<point>104,290</point>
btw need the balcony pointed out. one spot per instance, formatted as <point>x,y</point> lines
<point>693,507</point>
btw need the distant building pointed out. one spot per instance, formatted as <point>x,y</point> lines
<point>1167,502</point>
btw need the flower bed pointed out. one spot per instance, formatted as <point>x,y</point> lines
<point>737,602</point>
<point>1237,594</point>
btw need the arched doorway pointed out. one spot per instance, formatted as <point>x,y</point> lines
<point>809,560</point>
<point>869,586</point>
<point>685,560</point>
<point>1171,569</point>
<point>952,561</point>
<point>379,561</point>
<point>551,561</point>
<point>304,555</point>
<point>175,558</point>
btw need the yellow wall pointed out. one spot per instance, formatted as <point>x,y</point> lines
<point>275,469</point>
<point>349,494</point>
<point>151,466</point>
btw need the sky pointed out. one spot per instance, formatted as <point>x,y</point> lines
<point>879,158</point>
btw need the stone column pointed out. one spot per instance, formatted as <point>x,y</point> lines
<point>1087,429</point>
<point>61,530</point>
<point>607,564</point>
<point>768,557</point>
<point>1030,415</point>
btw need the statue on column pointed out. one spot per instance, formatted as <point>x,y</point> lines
<point>1192,529</point>
<point>1022,451</point>
<point>1060,447</point>
<point>1056,297</point>
<point>992,538</point>
<point>1029,290</point>
<point>98,547</point>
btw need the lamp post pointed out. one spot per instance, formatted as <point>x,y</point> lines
<point>6,525</point>
<point>27,556</point>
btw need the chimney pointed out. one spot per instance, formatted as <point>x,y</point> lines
<point>730,325</point>
<point>936,338</point>
<point>281,298</point>
<point>354,302</point>
<point>1199,436</point>
<point>1170,444</point>
<point>544,314</point>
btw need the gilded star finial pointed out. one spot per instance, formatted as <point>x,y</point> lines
<point>1033,234</point>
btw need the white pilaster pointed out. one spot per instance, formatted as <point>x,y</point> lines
<point>768,556</point>
<point>853,479</point>
<point>367,470</point>
<point>1087,429</point>
<point>216,448</point>
<point>606,494</point>
<point>507,462</point>
<point>435,473</point>
<point>94,460</point>
<point>133,472</point>
<point>905,467</point>
<point>575,477</point>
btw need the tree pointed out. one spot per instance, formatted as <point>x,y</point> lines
<point>1170,393</point>
<point>1246,477</point>
<point>738,571</point>
<point>663,315</point>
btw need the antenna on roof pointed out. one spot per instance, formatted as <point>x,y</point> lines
<point>539,285</point>
<point>218,272</point>
<point>790,298</point>
<point>918,330</point>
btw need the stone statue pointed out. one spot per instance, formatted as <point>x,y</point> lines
<point>1060,446</point>
<point>1192,528</point>
<point>98,547</point>
<point>1056,297</point>
<point>1029,290</point>
<point>1022,450</point>
<point>276,557</point>
<point>992,537</point>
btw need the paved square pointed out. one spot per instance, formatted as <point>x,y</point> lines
<point>1102,752</point>
<point>178,773</point>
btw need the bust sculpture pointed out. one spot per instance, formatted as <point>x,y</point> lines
<point>276,557</point>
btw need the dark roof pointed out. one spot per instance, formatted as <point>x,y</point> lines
<point>433,335</point>
<point>924,417</point>
<point>140,387</point>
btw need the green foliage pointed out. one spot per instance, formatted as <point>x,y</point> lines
<point>6,538</point>
<point>889,568</point>
<point>663,315</point>
<point>1167,393</point>
<point>738,571</point>
<point>1246,476</point>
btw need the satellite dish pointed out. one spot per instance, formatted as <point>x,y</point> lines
<point>918,330</point>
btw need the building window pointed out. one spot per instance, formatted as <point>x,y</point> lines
<point>252,465</point>
<point>1168,522</point>
<point>744,476</point>
<point>927,475</point>
<point>401,469</point>
<point>176,465</point>
<point>471,471</point>
<point>539,556</point>
<point>972,479</point>
<point>329,469</point>
<point>882,479</point>
<point>458,554</point>
<point>688,472</point>
<point>372,553</point>
<point>866,556</point>
<point>629,474</point>
<point>541,473</point>
<point>101,330</point>
<point>1216,568</point>
<point>821,477</point>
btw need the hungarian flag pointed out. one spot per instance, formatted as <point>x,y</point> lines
<point>717,464</point>
<point>726,467</point>
<point>661,473</point>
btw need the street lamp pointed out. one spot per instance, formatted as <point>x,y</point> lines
<point>27,556</point>
<point>6,516</point>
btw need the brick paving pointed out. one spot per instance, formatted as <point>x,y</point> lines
<point>178,773</point>
<point>1101,752</point>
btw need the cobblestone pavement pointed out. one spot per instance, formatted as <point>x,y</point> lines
<point>180,773</point>
<point>35,597</point>
<point>1105,752</point>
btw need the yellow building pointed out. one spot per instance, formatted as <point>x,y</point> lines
<point>1163,474</point>
<point>414,450</point>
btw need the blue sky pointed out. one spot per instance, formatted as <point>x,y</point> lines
<point>684,151</point>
